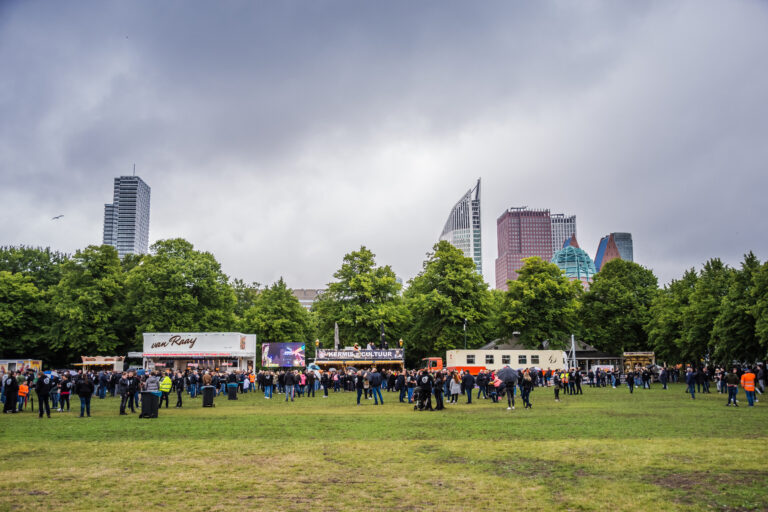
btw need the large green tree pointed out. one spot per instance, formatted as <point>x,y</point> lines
<point>541,304</point>
<point>177,288</point>
<point>277,316</point>
<point>446,292</point>
<point>704,307</point>
<point>87,303</point>
<point>42,266</point>
<point>21,316</point>
<point>617,305</point>
<point>759,309</point>
<point>733,335</point>
<point>363,297</point>
<point>666,336</point>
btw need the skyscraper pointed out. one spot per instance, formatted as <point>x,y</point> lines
<point>462,228</point>
<point>521,233</point>
<point>563,228</point>
<point>615,245</point>
<point>126,220</point>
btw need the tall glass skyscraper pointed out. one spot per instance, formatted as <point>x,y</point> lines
<point>463,228</point>
<point>563,228</point>
<point>612,246</point>
<point>126,220</point>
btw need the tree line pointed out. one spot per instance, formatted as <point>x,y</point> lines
<point>57,307</point>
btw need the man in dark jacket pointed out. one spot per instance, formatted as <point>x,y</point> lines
<point>482,380</point>
<point>425,391</point>
<point>84,389</point>
<point>690,380</point>
<point>290,382</point>
<point>469,384</point>
<point>400,385</point>
<point>123,388</point>
<point>43,390</point>
<point>11,387</point>
<point>359,384</point>
<point>732,381</point>
<point>310,384</point>
<point>374,378</point>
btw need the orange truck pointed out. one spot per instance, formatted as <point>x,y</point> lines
<point>435,364</point>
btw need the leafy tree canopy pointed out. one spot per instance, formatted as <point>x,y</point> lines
<point>541,305</point>
<point>616,308</point>
<point>363,297</point>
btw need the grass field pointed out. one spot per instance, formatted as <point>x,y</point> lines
<point>607,449</point>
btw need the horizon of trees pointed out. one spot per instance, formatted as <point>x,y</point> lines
<point>57,307</point>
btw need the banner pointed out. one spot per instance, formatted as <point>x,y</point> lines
<point>285,355</point>
<point>395,354</point>
<point>199,344</point>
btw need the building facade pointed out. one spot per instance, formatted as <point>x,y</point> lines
<point>463,228</point>
<point>613,246</point>
<point>307,297</point>
<point>521,233</point>
<point>126,220</point>
<point>563,228</point>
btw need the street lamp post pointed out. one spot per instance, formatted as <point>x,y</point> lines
<point>465,334</point>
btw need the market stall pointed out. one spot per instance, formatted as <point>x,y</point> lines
<point>98,363</point>
<point>387,359</point>
<point>199,350</point>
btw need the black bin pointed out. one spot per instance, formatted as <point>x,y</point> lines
<point>232,391</point>
<point>149,404</point>
<point>208,393</point>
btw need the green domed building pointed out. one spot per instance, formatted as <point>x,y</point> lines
<point>575,262</point>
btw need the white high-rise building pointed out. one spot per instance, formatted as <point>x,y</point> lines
<point>463,228</point>
<point>126,220</point>
<point>563,228</point>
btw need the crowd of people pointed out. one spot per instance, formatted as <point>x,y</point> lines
<point>416,387</point>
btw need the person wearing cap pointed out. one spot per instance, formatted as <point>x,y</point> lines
<point>748,383</point>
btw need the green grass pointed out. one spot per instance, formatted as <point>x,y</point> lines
<point>604,450</point>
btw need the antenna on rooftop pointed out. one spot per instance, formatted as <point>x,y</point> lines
<point>134,169</point>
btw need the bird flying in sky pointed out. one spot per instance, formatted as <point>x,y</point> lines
<point>57,217</point>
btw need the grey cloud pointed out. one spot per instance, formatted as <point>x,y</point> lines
<point>280,136</point>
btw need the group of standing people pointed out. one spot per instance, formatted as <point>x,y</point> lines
<point>52,391</point>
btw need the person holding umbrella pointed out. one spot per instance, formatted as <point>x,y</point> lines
<point>509,377</point>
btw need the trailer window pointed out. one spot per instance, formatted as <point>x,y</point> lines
<point>534,359</point>
<point>489,359</point>
<point>505,359</point>
<point>522,359</point>
<point>470,359</point>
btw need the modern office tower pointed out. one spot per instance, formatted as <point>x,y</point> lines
<point>575,262</point>
<point>462,228</point>
<point>126,220</point>
<point>563,228</point>
<point>521,233</point>
<point>624,244</point>
<point>615,245</point>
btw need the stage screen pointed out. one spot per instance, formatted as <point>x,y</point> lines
<point>285,355</point>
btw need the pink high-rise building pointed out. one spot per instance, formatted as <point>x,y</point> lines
<point>521,233</point>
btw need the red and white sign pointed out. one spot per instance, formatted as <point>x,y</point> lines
<point>199,344</point>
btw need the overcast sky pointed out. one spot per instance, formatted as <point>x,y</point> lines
<point>282,135</point>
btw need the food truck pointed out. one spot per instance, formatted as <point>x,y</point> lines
<point>200,350</point>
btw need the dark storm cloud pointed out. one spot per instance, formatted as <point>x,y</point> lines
<point>281,135</point>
